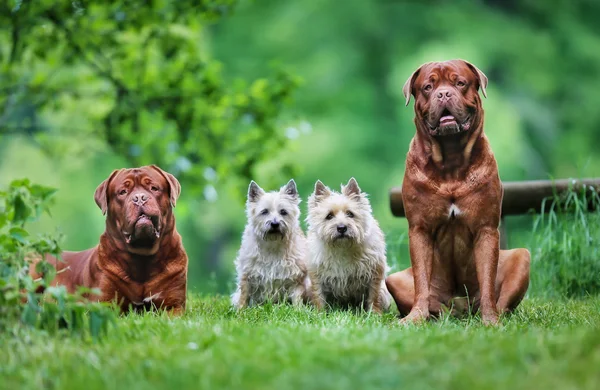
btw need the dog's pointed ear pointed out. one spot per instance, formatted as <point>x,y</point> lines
<point>290,189</point>
<point>254,192</point>
<point>174,186</point>
<point>101,194</point>
<point>321,190</point>
<point>352,188</point>
<point>407,90</point>
<point>481,77</point>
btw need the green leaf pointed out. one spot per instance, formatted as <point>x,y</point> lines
<point>3,219</point>
<point>96,322</point>
<point>49,275</point>
<point>19,234</point>
<point>30,311</point>
<point>22,210</point>
<point>42,192</point>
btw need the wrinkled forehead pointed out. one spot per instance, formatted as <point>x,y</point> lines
<point>137,176</point>
<point>447,70</point>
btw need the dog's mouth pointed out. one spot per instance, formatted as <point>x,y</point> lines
<point>273,233</point>
<point>341,236</point>
<point>448,124</point>
<point>145,231</point>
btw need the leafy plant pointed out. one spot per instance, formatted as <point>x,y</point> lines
<point>34,303</point>
<point>566,250</point>
<point>140,78</point>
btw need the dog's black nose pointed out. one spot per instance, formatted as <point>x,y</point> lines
<point>274,224</point>
<point>342,228</point>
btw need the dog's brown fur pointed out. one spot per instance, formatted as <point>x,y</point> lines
<point>452,197</point>
<point>140,261</point>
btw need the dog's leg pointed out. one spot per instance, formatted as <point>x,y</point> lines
<point>373,302</point>
<point>374,299</point>
<point>316,292</point>
<point>512,280</point>
<point>306,290</point>
<point>244,293</point>
<point>401,286</point>
<point>176,311</point>
<point>486,252</point>
<point>384,297</point>
<point>421,258</point>
<point>298,293</point>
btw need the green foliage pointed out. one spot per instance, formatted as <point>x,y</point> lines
<point>566,246</point>
<point>141,78</point>
<point>21,304</point>
<point>546,344</point>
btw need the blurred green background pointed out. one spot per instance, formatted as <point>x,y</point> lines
<point>222,91</point>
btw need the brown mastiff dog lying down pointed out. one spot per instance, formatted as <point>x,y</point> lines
<point>140,261</point>
<point>452,198</point>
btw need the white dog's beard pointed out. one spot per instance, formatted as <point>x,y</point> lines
<point>342,241</point>
<point>273,236</point>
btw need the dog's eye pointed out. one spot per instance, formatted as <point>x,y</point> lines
<point>349,214</point>
<point>461,84</point>
<point>264,212</point>
<point>154,188</point>
<point>329,216</point>
<point>283,212</point>
<point>427,88</point>
<point>122,192</point>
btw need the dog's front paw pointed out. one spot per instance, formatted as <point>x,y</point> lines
<point>176,311</point>
<point>416,316</point>
<point>377,310</point>
<point>319,304</point>
<point>373,307</point>
<point>490,319</point>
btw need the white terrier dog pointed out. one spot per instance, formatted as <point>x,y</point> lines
<point>271,261</point>
<point>347,263</point>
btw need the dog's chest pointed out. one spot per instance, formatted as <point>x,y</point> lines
<point>448,209</point>
<point>150,302</point>
<point>274,268</point>
<point>141,296</point>
<point>454,249</point>
<point>454,211</point>
<point>344,274</point>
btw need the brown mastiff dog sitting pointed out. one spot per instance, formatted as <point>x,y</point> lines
<point>452,198</point>
<point>140,261</point>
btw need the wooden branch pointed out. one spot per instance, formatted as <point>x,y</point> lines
<point>519,196</point>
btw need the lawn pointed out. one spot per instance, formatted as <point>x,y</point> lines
<point>545,344</point>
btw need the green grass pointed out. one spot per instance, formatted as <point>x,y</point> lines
<point>565,246</point>
<point>551,342</point>
<point>545,344</point>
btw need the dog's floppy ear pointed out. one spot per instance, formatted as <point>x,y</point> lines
<point>407,90</point>
<point>351,189</point>
<point>321,190</point>
<point>174,186</point>
<point>101,194</point>
<point>290,189</point>
<point>254,192</point>
<point>481,77</point>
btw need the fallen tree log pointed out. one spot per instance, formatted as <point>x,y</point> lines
<point>520,197</point>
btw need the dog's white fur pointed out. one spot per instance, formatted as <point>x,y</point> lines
<point>271,265</point>
<point>348,269</point>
